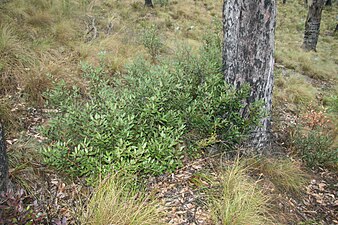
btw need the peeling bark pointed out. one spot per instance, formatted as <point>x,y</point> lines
<point>3,161</point>
<point>312,24</point>
<point>91,32</point>
<point>249,30</point>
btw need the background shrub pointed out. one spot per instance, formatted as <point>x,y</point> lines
<point>314,138</point>
<point>152,41</point>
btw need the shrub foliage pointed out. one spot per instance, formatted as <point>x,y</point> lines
<point>313,138</point>
<point>139,121</point>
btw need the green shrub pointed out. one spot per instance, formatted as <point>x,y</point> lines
<point>316,148</point>
<point>313,139</point>
<point>152,41</point>
<point>138,122</point>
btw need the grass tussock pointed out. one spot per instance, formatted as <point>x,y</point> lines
<point>14,58</point>
<point>8,40</point>
<point>23,159</point>
<point>65,32</point>
<point>9,118</point>
<point>115,202</point>
<point>286,175</point>
<point>240,201</point>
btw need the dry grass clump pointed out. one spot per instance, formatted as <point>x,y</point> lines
<point>14,57</point>
<point>285,174</point>
<point>24,158</point>
<point>241,201</point>
<point>116,202</point>
<point>28,31</point>
<point>8,40</point>
<point>9,118</point>
<point>65,31</point>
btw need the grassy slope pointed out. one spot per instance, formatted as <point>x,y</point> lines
<point>44,41</point>
<point>290,26</point>
<point>48,37</point>
<point>321,65</point>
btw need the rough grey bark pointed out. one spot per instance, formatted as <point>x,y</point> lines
<point>3,161</point>
<point>312,24</point>
<point>249,33</point>
<point>149,3</point>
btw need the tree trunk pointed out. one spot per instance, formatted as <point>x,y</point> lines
<point>312,24</point>
<point>149,3</point>
<point>249,37</point>
<point>328,3</point>
<point>3,161</point>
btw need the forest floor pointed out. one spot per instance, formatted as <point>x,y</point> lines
<point>186,203</point>
<point>183,193</point>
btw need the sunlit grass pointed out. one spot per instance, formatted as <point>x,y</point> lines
<point>287,176</point>
<point>115,201</point>
<point>240,200</point>
<point>320,65</point>
<point>294,90</point>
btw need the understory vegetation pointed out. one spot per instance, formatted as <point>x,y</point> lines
<point>110,95</point>
<point>139,121</point>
